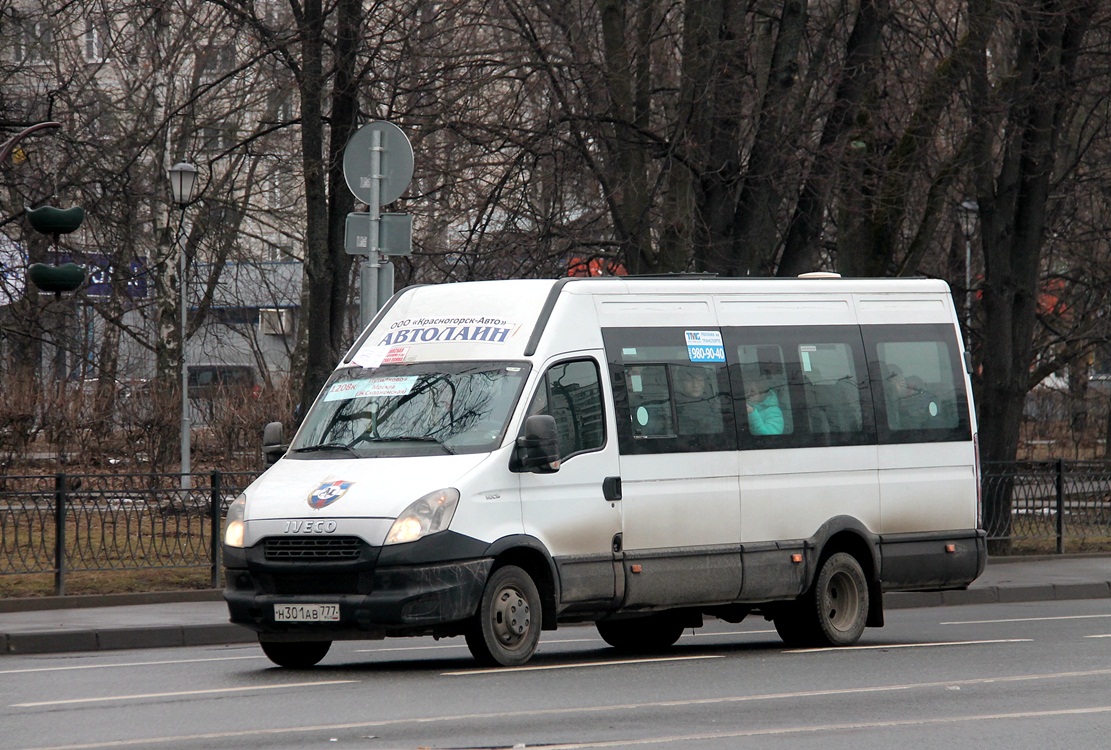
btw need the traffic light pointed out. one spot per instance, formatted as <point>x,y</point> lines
<point>56,221</point>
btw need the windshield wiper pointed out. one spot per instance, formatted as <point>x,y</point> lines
<point>402,439</point>
<point>326,447</point>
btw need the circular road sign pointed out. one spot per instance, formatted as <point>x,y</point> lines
<point>396,166</point>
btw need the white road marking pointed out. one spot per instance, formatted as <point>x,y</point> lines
<point>181,693</point>
<point>551,642</point>
<point>905,645</point>
<point>853,726</point>
<point>578,665</point>
<point>528,715</point>
<point>126,664</point>
<point>1025,619</point>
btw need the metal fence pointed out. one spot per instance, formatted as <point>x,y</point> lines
<point>69,523</point>
<point>1048,506</point>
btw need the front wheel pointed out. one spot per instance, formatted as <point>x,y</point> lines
<point>295,654</point>
<point>506,629</point>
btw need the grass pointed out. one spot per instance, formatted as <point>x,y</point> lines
<point>106,582</point>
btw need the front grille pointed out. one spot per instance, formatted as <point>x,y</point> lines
<point>312,549</point>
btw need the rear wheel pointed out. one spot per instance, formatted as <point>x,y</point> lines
<point>833,612</point>
<point>506,629</point>
<point>295,654</point>
<point>841,597</point>
<point>641,634</point>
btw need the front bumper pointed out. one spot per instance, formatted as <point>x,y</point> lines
<point>427,587</point>
<point>412,600</point>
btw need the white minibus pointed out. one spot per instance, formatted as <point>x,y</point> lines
<point>493,459</point>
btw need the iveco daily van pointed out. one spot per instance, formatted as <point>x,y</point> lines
<point>494,459</point>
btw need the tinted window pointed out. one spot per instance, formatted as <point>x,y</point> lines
<point>671,390</point>
<point>802,387</point>
<point>572,393</point>
<point>831,384</point>
<point>767,398</point>
<point>917,383</point>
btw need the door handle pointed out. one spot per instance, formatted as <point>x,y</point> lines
<point>611,488</point>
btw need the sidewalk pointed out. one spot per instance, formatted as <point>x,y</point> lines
<point>201,618</point>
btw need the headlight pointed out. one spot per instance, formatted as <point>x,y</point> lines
<point>426,516</point>
<point>233,522</point>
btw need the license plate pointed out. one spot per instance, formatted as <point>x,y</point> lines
<point>306,613</point>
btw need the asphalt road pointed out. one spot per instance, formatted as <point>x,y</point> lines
<point>1002,675</point>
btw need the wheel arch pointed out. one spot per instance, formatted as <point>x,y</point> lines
<point>848,534</point>
<point>530,554</point>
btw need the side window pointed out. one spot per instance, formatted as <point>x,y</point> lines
<point>697,401</point>
<point>917,384</point>
<point>800,386</point>
<point>572,393</point>
<point>831,384</point>
<point>767,398</point>
<point>673,400</point>
<point>649,400</point>
<point>671,390</point>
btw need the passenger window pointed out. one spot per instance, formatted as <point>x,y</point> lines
<point>572,393</point>
<point>832,389</point>
<point>674,400</point>
<point>697,402</point>
<point>649,400</point>
<point>671,390</point>
<point>917,383</point>
<point>917,390</point>
<point>767,398</point>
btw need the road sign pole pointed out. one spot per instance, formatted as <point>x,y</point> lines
<point>378,165</point>
<point>368,274</point>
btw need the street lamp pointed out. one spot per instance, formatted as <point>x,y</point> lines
<point>969,215</point>
<point>183,181</point>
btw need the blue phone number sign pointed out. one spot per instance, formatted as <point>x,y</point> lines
<point>705,346</point>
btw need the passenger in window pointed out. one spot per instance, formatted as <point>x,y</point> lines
<point>764,415</point>
<point>696,405</point>
<point>910,405</point>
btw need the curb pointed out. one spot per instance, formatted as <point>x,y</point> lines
<point>115,639</point>
<point>999,595</point>
<point>86,601</point>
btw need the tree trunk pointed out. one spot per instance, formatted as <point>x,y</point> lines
<point>1013,211</point>
<point>627,77</point>
<point>800,251</point>
<point>319,275</point>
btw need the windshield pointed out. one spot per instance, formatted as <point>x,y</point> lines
<point>433,408</point>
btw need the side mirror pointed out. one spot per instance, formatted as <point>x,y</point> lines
<point>273,446</point>
<point>537,449</point>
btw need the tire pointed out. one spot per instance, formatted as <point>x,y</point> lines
<point>295,654</point>
<point>641,635</point>
<point>833,612</point>
<point>506,629</point>
<point>841,599</point>
<point>794,628</point>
